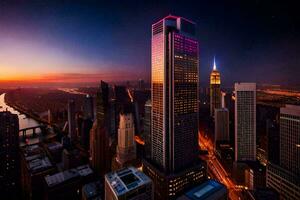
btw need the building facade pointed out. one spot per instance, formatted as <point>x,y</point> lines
<point>215,90</point>
<point>9,155</point>
<point>100,156</point>
<point>71,120</point>
<point>147,128</point>
<point>245,122</point>
<point>221,126</point>
<point>126,149</point>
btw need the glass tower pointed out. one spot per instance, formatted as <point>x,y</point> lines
<point>174,93</point>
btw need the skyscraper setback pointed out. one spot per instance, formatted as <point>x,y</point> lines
<point>174,123</point>
<point>215,90</point>
<point>245,121</point>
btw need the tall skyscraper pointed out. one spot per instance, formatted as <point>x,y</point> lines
<point>285,177</point>
<point>126,149</point>
<point>215,89</point>
<point>245,121</point>
<point>71,120</point>
<point>100,157</point>
<point>174,120</point>
<point>9,155</point>
<point>221,126</point>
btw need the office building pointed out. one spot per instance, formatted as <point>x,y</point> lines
<point>245,121</point>
<point>126,149</point>
<point>147,128</point>
<point>71,120</point>
<point>67,184</point>
<point>284,178</point>
<point>221,126</point>
<point>174,163</point>
<point>128,183</point>
<point>35,165</point>
<point>88,107</point>
<point>215,89</point>
<point>100,155</point>
<point>255,176</point>
<point>9,155</point>
<point>209,190</point>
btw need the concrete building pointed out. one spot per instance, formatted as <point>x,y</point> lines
<point>245,121</point>
<point>209,190</point>
<point>9,155</point>
<point>221,126</point>
<point>284,178</point>
<point>128,183</point>
<point>215,90</point>
<point>126,149</point>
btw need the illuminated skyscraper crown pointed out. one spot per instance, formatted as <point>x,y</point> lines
<point>215,77</point>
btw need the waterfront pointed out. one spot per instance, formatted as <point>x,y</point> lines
<point>24,121</point>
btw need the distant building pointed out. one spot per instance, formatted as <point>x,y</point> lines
<point>126,149</point>
<point>93,191</point>
<point>88,107</point>
<point>215,90</point>
<point>100,155</point>
<point>86,127</point>
<point>284,178</point>
<point>71,158</point>
<point>141,84</point>
<point>245,121</point>
<point>71,120</point>
<point>221,126</point>
<point>147,128</point>
<point>128,183</point>
<point>174,164</point>
<point>35,165</point>
<point>67,184</point>
<point>255,176</point>
<point>209,190</point>
<point>9,155</point>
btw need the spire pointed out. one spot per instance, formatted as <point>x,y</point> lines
<point>215,66</point>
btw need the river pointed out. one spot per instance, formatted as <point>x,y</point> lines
<point>24,121</point>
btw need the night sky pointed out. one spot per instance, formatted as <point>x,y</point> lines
<point>86,41</point>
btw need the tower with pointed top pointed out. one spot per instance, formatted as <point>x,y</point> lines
<point>215,89</point>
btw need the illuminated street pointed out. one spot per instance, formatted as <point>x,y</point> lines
<point>217,169</point>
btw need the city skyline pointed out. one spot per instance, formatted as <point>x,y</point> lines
<point>53,42</point>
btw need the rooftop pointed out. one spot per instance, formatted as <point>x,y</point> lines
<point>207,190</point>
<point>36,158</point>
<point>93,190</point>
<point>67,175</point>
<point>126,180</point>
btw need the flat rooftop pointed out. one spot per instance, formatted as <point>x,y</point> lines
<point>67,175</point>
<point>126,179</point>
<point>93,190</point>
<point>36,158</point>
<point>210,189</point>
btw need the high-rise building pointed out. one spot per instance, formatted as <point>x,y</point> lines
<point>221,126</point>
<point>71,120</point>
<point>9,155</point>
<point>126,149</point>
<point>128,183</point>
<point>284,178</point>
<point>147,128</point>
<point>290,138</point>
<point>88,107</point>
<point>100,156</point>
<point>245,121</point>
<point>215,89</point>
<point>174,163</point>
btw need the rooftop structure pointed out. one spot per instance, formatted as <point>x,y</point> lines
<point>209,190</point>
<point>123,182</point>
<point>92,191</point>
<point>67,175</point>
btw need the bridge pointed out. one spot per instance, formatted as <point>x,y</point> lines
<point>33,128</point>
